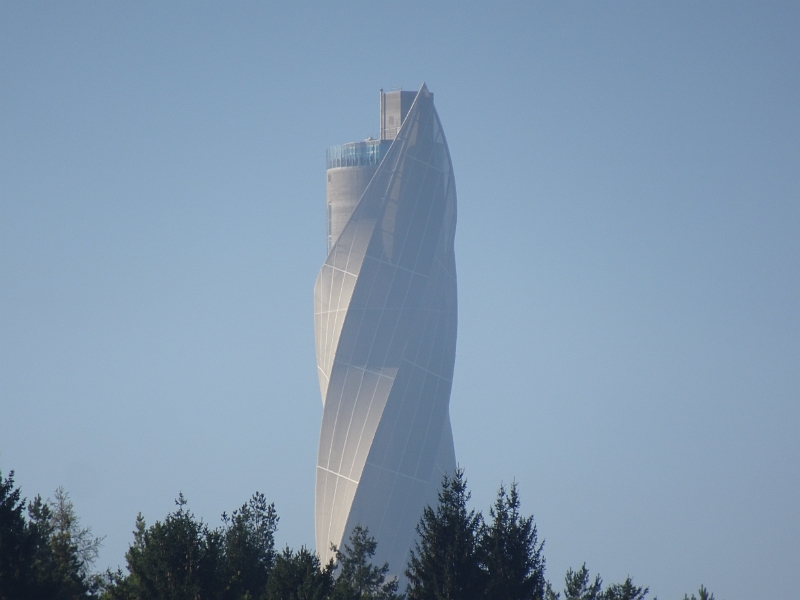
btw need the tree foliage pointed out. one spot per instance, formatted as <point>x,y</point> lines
<point>510,552</point>
<point>47,555</point>
<point>459,556</point>
<point>300,576</point>
<point>578,585</point>
<point>17,543</point>
<point>249,545</point>
<point>702,594</point>
<point>444,563</point>
<point>358,578</point>
<point>624,591</point>
<point>183,558</point>
<point>179,558</point>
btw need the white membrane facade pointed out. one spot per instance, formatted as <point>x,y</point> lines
<point>385,315</point>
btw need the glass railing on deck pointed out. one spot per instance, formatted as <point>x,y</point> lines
<point>357,154</point>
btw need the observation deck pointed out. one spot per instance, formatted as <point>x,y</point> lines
<point>368,153</point>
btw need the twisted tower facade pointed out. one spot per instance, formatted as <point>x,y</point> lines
<point>385,316</point>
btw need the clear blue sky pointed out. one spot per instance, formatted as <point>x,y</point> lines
<point>628,251</point>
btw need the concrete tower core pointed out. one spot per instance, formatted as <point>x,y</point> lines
<point>385,318</point>
<point>394,108</point>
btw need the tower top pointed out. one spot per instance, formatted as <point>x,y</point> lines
<point>394,108</point>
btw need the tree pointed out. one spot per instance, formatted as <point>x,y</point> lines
<point>577,586</point>
<point>64,564</point>
<point>48,555</point>
<point>511,554</point>
<point>550,593</point>
<point>178,559</point>
<point>249,545</point>
<point>299,576</point>
<point>444,563</point>
<point>183,558</point>
<point>624,591</point>
<point>703,594</point>
<point>358,578</point>
<point>17,544</point>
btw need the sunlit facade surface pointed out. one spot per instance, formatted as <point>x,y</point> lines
<point>385,316</point>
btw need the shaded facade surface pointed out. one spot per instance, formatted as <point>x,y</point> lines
<point>385,322</point>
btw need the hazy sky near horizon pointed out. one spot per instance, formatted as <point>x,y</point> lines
<point>628,254</point>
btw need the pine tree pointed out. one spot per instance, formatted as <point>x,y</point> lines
<point>249,547</point>
<point>703,594</point>
<point>299,576</point>
<point>624,591</point>
<point>17,544</point>
<point>72,548</point>
<point>178,559</point>
<point>358,578</point>
<point>511,554</point>
<point>577,586</point>
<point>444,563</point>
<point>47,556</point>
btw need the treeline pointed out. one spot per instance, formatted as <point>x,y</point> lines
<point>45,554</point>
